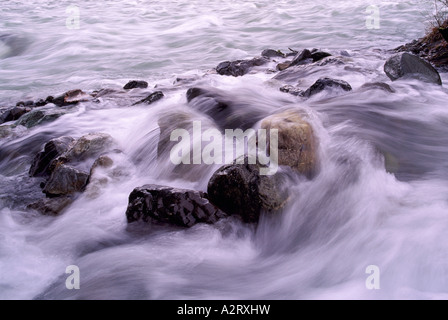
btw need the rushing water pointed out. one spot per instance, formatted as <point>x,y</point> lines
<point>353,214</point>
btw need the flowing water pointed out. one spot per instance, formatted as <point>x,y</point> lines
<point>380,197</point>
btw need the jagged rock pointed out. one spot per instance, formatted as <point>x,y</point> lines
<point>305,57</point>
<point>292,90</point>
<point>297,145</point>
<point>136,84</point>
<point>406,65</point>
<point>239,67</point>
<point>54,148</point>
<point>51,206</point>
<point>153,97</point>
<point>14,114</point>
<point>185,208</point>
<point>239,189</point>
<point>324,83</point>
<point>65,180</point>
<point>270,53</point>
<point>89,146</point>
<point>70,98</point>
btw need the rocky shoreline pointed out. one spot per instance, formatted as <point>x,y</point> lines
<point>67,167</point>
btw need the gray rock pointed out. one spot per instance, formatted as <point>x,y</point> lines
<point>70,98</point>
<point>240,67</point>
<point>51,206</point>
<point>153,97</point>
<point>14,114</point>
<point>377,86</point>
<point>325,83</point>
<point>185,208</point>
<point>292,90</point>
<point>40,166</point>
<point>91,145</point>
<point>305,57</point>
<point>65,180</point>
<point>239,189</point>
<point>39,116</point>
<point>406,65</point>
<point>270,53</point>
<point>136,84</point>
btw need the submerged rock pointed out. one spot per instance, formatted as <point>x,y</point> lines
<point>270,53</point>
<point>239,189</point>
<point>239,67</point>
<point>153,97</point>
<point>14,114</point>
<point>304,57</point>
<point>89,146</point>
<point>292,90</point>
<point>136,84</point>
<point>51,206</point>
<point>325,83</point>
<point>39,116</point>
<point>65,180</point>
<point>52,149</point>
<point>185,208</point>
<point>297,145</point>
<point>377,85</point>
<point>406,65</point>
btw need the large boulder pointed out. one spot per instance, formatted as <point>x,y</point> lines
<point>326,83</point>
<point>239,67</point>
<point>65,180</point>
<point>240,189</point>
<point>52,149</point>
<point>297,146</point>
<point>185,208</point>
<point>406,65</point>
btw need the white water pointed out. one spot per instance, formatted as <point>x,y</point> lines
<point>352,215</point>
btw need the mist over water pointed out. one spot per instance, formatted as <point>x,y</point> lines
<point>380,196</point>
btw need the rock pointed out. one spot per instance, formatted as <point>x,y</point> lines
<point>297,145</point>
<point>65,180</point>
<point>102,162</point>
<point>305,57</point>
<point>345,53</point>
<point>378,86</point>
<point>270,53</point>
<point>406,65</point>
<point>283,66</point>
<point>324,83</point>
<point>292,90</point>
<point>239,67</point>
<point>51,206</point>
<point>89,146</point>
<point>239,189</point>
<point>136,84</point>
<point>70,98</point>
<point>319,55</point>
<point>40,103</point>
<point>153,97</point>
<point>54,148</point>
<point>185,208</point>
<point>14,114</point>
<point>229,110</point>
<point>167,124</point>
<point>39,116</point>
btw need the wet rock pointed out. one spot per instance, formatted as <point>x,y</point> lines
<point>270,53</point>
<point>283,66</point>
<point>40,166</point>
<point>13,114</point>
<point>297,145</point>
<point>405,65</point>
<point>229,110</point>
<point>239,67</point>
<point>377,86</point>
<point>89,146</point>
<point>305,57</point>
<point>292,90</point>
<point>71,97</point>
<point>185,208</point>
<point>65,180</point>
<point>51,206</point>
<point>239,189</point>
<point>325,83</point>
<point>153,97</point>
<point>319,55</point>
<point>40,103</point>
<point>39,116</point>
<point>136,84</point>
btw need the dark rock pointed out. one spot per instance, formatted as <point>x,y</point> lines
<point>20,104</point>
<point>319,55</point>
<point>49,99</point>
<point>39,116</point>
<point>297,144</point>
<point>239,189</point>
<point>14,114</point>
<point>71,97</point>
<point>292,90</point>
<point>305,57</point>
<point>185,208</point>
<point>406,65</point>
<point>51,206</point>
<point>65,180</point>
<point>153,97</point>
<point>378,86</point>
<point>136,84</point>
<point>40,166</point>
<point>270,53</point>
<point>324,83</point>
<point>227,109</point>
<point>41,103</point>
<point>292,53</point>
<point>29,103</point>
<point>239,67</point>
<point>283,66</point>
